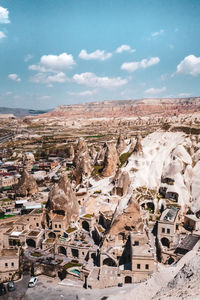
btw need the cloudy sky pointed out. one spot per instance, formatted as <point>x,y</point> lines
<point>56,52</point>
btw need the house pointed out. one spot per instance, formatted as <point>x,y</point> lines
<point>168,225</point>
<point>192,222</point>
<point>9,264</point>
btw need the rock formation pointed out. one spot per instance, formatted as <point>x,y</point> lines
<point>62,200</point>
<point>101,155</point>
<point>26,185</point>
<point>71,152</point>
<point>93,153</point>
<point>111,161</point>
<point>121,145</point>
<point>82,162</point>
<point>133,143</point>
<point>138,147</point>
<point>121,182</point>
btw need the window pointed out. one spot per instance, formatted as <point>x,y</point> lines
<point>12,264</point>
<point>6,265</point>
<point>37,224</point>
<point>168,230</point>
<point>147,267</point>
<point>59,225</point>
<point>55,225</point>
<point>138,266</point>
<point>136,243</point>
<point>163,230</point>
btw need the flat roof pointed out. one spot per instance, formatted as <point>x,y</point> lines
<point>16,233</point>
<point>169,214</point>
<point>142,250</point>
<point>188,242</point>
<point>9,252</point>
<point>58,218</point>
<point>193,217</point>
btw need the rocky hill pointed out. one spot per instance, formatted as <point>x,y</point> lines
<point>128,108</point>
<point>21,112</point>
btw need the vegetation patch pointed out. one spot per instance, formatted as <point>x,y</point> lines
<point>6,216</point>
<point>36,254</point>
<point>69,230</point>
<point>97,192</point>
<point>89,216</point>
<point>97,171</point>
<point>123,158</point>
<point>71,264</point>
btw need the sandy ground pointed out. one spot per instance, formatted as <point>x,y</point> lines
<point>51,289</point>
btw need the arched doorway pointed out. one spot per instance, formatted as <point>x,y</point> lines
<point>52,235</point>
<point>75,252</point>
<point>85,225</point>
<point>170,260</point>
<point>31,243</point>
<point>165,242</point>
<point>150,207</point>
<point>62,250</point>
<point>128,279</point>
<point>109,262</point>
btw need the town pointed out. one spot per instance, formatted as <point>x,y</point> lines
<point>100,210</point>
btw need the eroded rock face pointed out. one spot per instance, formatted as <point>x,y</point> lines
<point>121,145</point>
<point>63,200</point>
<point>133,143</point>
<point>138,147</point>
<point>130,219</point>
<point>111,161</point>
<point>123,224</point>
<point>101,155</point>
<point>27,184</point>
<point>93,153</point>
<point>121,182</point>
<point>71,152</point>
<point>82,162</point>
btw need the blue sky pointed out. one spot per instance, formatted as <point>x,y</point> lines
<point>55,52</point>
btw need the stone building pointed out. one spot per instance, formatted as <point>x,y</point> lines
<point>9,264</point>
<point>168,226</point>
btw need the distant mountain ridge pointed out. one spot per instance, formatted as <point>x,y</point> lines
<point>128,108</point>
<point>21,112</point>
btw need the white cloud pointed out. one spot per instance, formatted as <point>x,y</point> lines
<point>28,57</point>
<point>4,19</point>
<point>90,79</point>
<point>124,48</point>
<point>157,33</point>
<point>143,64</point>
<point>83,93</point>
<point>184,95</point>
<point>54,63</point>
<point>189,65</point>
<point>43,97</point>
<point>59,77</point>
<point>155,91</point>
<point>96,55</point>
<point>14,77</point>
<point>2,35</point>
<point>49,79</point>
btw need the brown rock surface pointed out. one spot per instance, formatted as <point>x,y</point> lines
<point>26,185</point>
<point>63,199</point>
<point>122,183</point>
<point>128,108</point>
<point>138,147</point>
<point>130,219</point>
<point>82,162</point>
<point>121,145</point>
<point>111,161</point>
